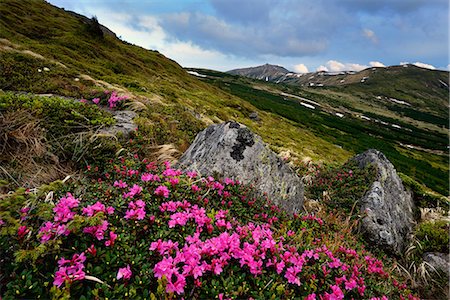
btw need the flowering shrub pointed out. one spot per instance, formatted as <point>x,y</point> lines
<point>137,229</point>
<point>108,98</point>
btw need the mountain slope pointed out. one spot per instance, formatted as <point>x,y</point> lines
<point>415,141</point>
<point>44,49</point>
<point>423,89</point>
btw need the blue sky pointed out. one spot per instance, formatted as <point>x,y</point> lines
<point>301,35</point>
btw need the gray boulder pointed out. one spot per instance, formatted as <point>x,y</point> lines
<point>232,150</point>
<point>387,206</point>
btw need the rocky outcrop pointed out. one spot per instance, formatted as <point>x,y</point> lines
<point>124,123</point>
<point>232,150</point>
<point>387,207</point>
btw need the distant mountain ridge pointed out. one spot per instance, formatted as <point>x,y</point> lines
<point>279,74</point>
<point>265,72</point>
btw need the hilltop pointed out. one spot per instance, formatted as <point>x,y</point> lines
<point>265,72</point>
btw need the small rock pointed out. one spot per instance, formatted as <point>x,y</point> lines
<point>254,116</point>
<point>232,150</point>
<point>77,79</point>
<point>39,70</point>
<point>387,205</point>
<point>46,69</point>
<point>124,123</point>
<point>439,261</point>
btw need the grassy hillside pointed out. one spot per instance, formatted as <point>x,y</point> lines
<point>44,49</point>
<point>417,148</point>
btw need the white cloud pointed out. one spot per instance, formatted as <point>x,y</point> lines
<point>301,68</point>
<point>322,68</point>
<point>376,64</point>
<point>424,65</point>
<point>404,63</point>
<point>146,31</point>
<point>448,67</point>
<point>370,35</point>
<point>336,66</point>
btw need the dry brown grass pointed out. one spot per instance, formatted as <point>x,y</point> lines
<point>24,157</point>
<point>162,153</point>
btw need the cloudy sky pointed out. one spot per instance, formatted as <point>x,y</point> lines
<point>301,35</point>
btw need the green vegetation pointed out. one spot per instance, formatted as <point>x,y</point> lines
<point>43,137</point>
<point>122,232</point>
<point>353,134</point>
<point>341,187</point>
<point>433,236</point>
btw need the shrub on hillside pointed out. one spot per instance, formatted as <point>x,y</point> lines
<point>136,229</point>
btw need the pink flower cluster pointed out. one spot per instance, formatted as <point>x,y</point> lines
<point>63,209</point>
<point>97,231</point>
<point>162,190</point>
<point>120,184</point>
<point>135,190</point>
<point>150,177</point>
<point>190,212</point>
<point>22,232</point>
<point>253,247</point>
<point>114,99</point>
<point>63,214</point>
<point>93,209</point>
<point>136,210</point>
<point>70,270</point>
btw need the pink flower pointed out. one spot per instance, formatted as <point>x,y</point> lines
<point>136,189</point>
<point>120,184</point>
<point>22,232</point>
<point>93,209</point>
<point>91,250</point>
<point>70,270</point>
<point>97,231</point>
<point>350,284</point>
<point>96,100</point>
<point>150,177</point>
<point>174,181</point>
<point>112,238</point>
<point>63,212</point>
<point>311,297</point>
<point>162,190</point>
<point>124,273</point>
<point>136,210</point>
<point>191,174</point>
<point>23,213</point>
<point>114,99</point>
<point>50,230</point>
<point>177,286</point>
